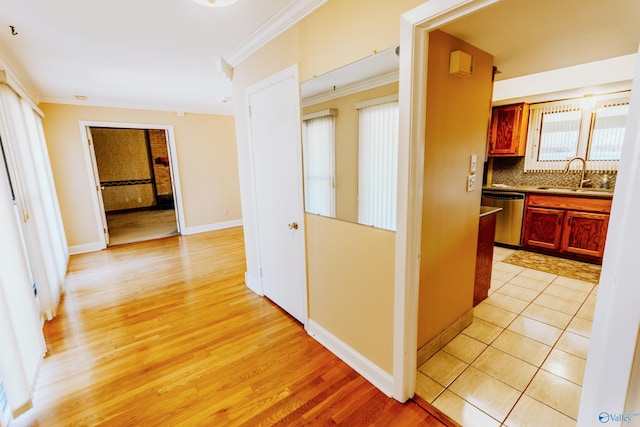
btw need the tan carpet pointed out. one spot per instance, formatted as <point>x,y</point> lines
<point>560,266</point>
<point>137,226</point>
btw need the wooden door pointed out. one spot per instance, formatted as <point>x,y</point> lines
<point>98,186</point>
<point>275,142</point>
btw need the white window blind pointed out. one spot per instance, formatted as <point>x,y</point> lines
<point>608,131</point>
<point>378,165</point>
<point>564,129</point>
<point>319,141</point>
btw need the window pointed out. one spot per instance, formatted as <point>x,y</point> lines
<point>378,162</point>
<point>318,145</point>
<point>561,130</point>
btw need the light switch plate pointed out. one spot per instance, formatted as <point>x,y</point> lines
<point>471,183</point>
<point>474,163</point>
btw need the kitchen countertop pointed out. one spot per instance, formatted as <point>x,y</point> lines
<point>548,189</point>
<point>488,210</point>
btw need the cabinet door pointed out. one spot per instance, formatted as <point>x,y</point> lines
<point>508,130</point>
<point>585,233</point>
<point>543,228</point>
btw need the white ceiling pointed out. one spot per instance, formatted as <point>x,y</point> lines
<point>156,54</point>
<point>161,54</point>
<point>531,36</point>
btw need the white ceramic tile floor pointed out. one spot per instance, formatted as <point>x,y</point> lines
<point>522,358</point>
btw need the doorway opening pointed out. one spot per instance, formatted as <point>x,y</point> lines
<point>134,173</point>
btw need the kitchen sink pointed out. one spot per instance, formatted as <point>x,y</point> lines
<point>577,190</point>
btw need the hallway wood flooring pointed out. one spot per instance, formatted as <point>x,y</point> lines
<point>165,333</point>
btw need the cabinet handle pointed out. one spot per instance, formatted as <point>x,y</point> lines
<point>560,220</point>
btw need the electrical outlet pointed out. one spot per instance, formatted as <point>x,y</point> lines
<point>471,183</point>
<point>139,199</point>
<point>225,212</point>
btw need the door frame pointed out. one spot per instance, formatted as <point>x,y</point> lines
<point>414,41</point>
<point>90,160</point>
<point>257,285</point>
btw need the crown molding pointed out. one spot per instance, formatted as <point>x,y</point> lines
<point>18,83</point>
<point>359,86</point>
<point>216,110</point>
<point>286,18</point>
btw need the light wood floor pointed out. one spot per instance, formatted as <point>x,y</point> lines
<point>165,333</point>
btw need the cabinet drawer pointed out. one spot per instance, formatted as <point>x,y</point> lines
<point>586,204</point>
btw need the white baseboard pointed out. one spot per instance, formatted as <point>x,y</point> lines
<point>253,283</point>
<point>211,227</point>
<point>88,247</point>
<point>371,372</point>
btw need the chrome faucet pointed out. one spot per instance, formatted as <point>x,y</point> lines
<point>584,167</point>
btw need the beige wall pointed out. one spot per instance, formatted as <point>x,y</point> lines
<point>347,145</point>
<point>352,303</point>
<point>458,110</point>
<point>207,162</point>
<point>338,33</point>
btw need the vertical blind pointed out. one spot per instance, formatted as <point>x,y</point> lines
<point>608,130</point>
<point>33,249</point>
<point>378,165</point>
<point>30,173</point>
<point>564,129</point>
<point>319,141</point>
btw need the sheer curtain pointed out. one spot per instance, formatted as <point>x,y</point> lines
<point>378,165</point>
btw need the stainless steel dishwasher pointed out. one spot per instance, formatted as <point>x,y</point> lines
<point>509,220</point>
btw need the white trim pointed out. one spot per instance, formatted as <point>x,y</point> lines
<point>323,113</point>
<point>376,101</point>
<point>212,227</point>
<point>213,108</point>
<point>254,284</point>
<point>286,18</point>
<point>173,167</point>
<point>359,86</point>
<point>87,247</point>
<point>370,371</point>
<point>414,27</point>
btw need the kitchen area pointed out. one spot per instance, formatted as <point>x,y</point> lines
<point>564,210</point>
<point>541,241</point>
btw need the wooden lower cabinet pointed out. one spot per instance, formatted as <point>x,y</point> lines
<point>544,228</point>
<point>585,233</point>
<point>573,227</point>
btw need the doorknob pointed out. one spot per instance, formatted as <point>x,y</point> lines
<point>293,226</point>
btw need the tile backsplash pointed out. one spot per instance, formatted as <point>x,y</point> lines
<point>510,171</point>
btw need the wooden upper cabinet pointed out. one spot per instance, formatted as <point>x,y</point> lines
<point>508,132</point>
